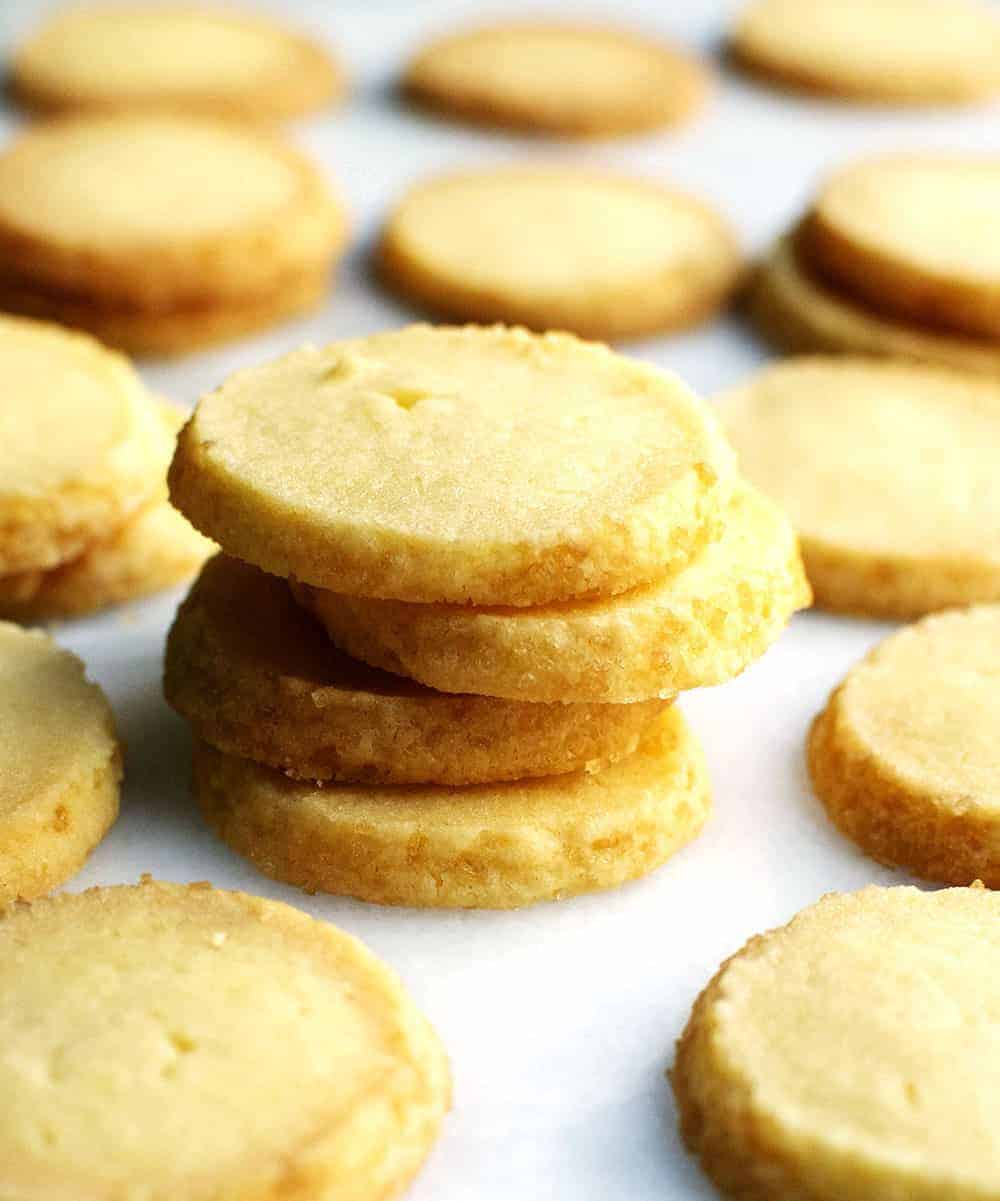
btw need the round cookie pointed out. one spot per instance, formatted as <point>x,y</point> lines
<point>601,255</point>
<point>572,80</point>
<point>495,846</point>
<point>888,473</point>
<point>176,1042</point>
<point>699,627</point>
<point>79,442</point>
<point>903,234</point>
<point>175,59</point>
<point>892,52</point>
<point>904,757</point>
<point>257,678</point>
<point>852,1053</point>
<point>109,210</point>
<point>60,766</point>
<point>797,312</point>
<point>484,465</point>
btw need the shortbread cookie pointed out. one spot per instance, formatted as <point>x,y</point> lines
<point>602,255</point>
<point>495,846</point>
<point>257,677</point>
<point>111,211</point>
<point>887,470</point>
<point>60,767</point>
<point>79,444</point>
<point>904,234</point>
<point>176,59</point>
<point>572,80</point>
<point>905,755</point>
<point>699,627</point>
<point>799,313</point>
<point>475,464</point>
<point>852,1053</point>
<point>176,1042</point>
<point>890,52</point>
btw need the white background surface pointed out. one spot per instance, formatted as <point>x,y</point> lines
<point>561,1019</point>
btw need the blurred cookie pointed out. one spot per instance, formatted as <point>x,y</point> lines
<point>60,767</point>
<point>852,1053</point>
<point>700,626</point>
<point>601,255</point>
<point>567,79</point>
<point>256,677</point>
<point>495,846</point>
<point>172,59</point>
<point>468,464</point>
<point>889,52</point>
<point>887,471</point>
<point>905,756</point>
<point>171,1041</point>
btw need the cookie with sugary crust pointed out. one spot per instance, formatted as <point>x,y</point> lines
<point>887,470</point>
<point>798,312</point>
<point>80,443</point>
<point>700,626</point>
<point>491,846</point>
<point>566,79</point>
<point>604,256</point>
<point>852,1053</point>
<point>904,756</point>
<point>115,58</point>
<point>892,52</point>
<point>474,464</point>
<point>258,678</point>
<point>175,1041</point>
<point>60,765</point>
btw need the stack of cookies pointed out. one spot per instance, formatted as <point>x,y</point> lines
<point>891,260</point>
<point>84,516</point>
<point>528,545</point>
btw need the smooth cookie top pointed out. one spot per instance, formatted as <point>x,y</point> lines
<point>474,464</point>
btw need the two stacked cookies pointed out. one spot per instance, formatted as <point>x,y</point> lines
<point>529,545</point>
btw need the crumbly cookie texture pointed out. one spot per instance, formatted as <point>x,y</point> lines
<point>173,59</point>
<point>257,677</point>
<point>887,471</point>
<point>496,846</point>
<point>79,444</point>
<point>601,255</point>
<point>796,311</point>
<point>852,1053</point>
<point>893,52</point>
<point>700,626</point>
<point>474,464</point>
<point>572,80</point>
<point>167,1040</point>
<point>61,766</point>
<point>904,756</point>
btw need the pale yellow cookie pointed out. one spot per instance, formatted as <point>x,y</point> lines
<point>495,846</point>
<point>904,234</point>
<point>159,213</point>
<point>174,1042</point>
<point>852,1054</point>
<point>905,755</point>
<point>257,677</point>
<point>601,255</point>
<point>175,59</point>
<point>462,464</point>
<point>573,80</point>
<point>798,312</point>
<point>80,444</point>
<point>701,626</point>
<point>60,767</point>
<point>884,51</point>
<point>888,471</point>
